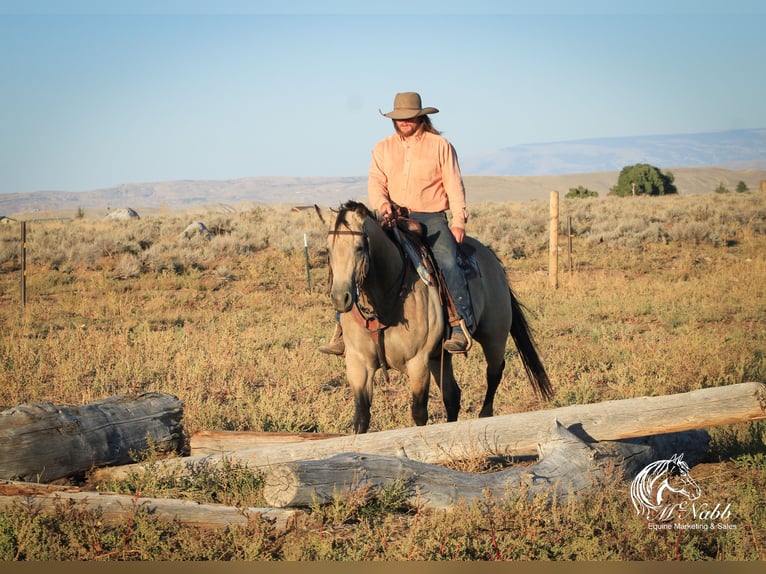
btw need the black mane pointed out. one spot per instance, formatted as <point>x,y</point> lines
<point>351,206</point>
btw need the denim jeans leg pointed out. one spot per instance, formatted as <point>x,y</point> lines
<point>444,247</point>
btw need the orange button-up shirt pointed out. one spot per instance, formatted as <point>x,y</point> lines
<point>422,175</point>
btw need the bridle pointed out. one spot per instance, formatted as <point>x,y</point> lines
<point>366,261</point>
<point>399,282</point>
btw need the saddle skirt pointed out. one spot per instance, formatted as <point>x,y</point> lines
<point>408,234</point>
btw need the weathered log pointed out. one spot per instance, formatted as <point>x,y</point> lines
<point>44,442</point>
<point>118,508</point>
<point>568,467</point>
<point>514,434</point>
<point>216,442</point>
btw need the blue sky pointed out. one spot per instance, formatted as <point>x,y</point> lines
<point>97,93</point>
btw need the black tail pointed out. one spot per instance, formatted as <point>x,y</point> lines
<point>522,336</point>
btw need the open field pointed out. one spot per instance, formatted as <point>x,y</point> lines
<point>666,295</point>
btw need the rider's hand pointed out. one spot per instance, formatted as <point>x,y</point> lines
<point>458,233</point>
<point>386,211</point>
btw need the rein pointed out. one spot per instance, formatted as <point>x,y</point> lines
<point>400,279</point>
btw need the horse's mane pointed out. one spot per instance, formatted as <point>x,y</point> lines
<point>351,206</point>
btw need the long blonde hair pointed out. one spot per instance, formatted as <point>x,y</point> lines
<point>426,124</point>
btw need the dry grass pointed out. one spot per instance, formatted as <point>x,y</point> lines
<point>666,295</point>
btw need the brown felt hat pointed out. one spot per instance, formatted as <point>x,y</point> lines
<point>407,105</point>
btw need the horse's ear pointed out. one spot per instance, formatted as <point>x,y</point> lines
<point>319,213</point>
<point>677,458</point>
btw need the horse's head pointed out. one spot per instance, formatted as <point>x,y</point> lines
<point>680,480</point>
<point>349,253</point>
<point>660,480</point>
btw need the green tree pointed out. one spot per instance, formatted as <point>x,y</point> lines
<point>643,179</point>
<point>580,191</point>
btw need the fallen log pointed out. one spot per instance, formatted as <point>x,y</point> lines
<point>44,442</point>
<point>568,467</point>
<point>514,434</point>
<point>116,509</point>
<point>216,442</point>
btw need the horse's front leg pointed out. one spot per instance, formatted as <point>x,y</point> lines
<point>360,377</point>
<point>420,379</point>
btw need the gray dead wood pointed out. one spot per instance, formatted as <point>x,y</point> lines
<point>117,509</point>
<point>514,434</point>
<point>568,466</point>
<point>44,442</point>
<point>217,442</point>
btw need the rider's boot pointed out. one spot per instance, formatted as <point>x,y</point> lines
<point>457,343</point>
<point>336,346</point>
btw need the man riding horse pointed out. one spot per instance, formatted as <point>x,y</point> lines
<point>417,169</point>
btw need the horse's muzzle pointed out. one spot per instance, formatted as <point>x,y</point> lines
<point>342,299</point>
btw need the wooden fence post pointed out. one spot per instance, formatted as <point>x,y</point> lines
<point>553,252</point>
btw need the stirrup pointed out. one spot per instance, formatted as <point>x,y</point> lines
<point>467,334</point>
<point>459,350</point>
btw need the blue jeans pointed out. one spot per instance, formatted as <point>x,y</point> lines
<point>439,238</point>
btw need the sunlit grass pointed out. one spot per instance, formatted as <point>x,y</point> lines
<point>666,295</point>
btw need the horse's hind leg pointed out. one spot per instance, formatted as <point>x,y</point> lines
<point>495,366</point>
<point>441,370</point>
<point>493,382</point>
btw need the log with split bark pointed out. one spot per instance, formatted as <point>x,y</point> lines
<point>567,466</point>
<point>217,442</point>
<point>510,435</point>
<point>44,442</point>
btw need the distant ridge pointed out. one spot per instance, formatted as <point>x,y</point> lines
<point>243,194</point>
<point>183,194</point>
<point>734,149</point>
<point>699,162</point>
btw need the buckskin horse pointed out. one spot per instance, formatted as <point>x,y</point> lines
<point>392,318</point>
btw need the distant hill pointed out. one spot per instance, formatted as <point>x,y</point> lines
<point>241,194</point>
<point>220,195</point>
<point>735,149</point>
<point>699,162</point>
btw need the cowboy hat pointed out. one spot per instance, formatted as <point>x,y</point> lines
<point>407,105</point>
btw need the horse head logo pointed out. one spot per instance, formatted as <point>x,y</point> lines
<point>659,484</point>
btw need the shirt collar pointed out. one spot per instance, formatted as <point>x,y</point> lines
<point>418,138</point>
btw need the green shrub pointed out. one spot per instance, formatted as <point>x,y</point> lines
<point>721,188</point>
<point>741,187</point>
<point>579,192</point>
<point>643,179</point>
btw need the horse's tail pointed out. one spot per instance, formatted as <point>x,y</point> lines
<point>522,337</point>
